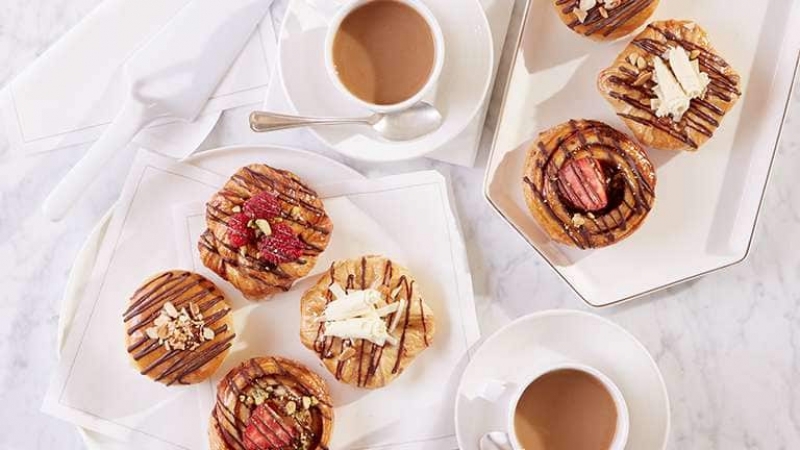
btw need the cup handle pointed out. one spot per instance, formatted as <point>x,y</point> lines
<point>495,440</point>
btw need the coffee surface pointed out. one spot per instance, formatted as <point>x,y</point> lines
<point>384,52</point>
<point>566,410</point>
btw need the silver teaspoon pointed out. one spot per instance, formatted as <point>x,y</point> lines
<point>411,123</point>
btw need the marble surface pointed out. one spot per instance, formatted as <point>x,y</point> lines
<point>728,344</point>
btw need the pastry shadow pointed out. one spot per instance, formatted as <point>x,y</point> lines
<point>506,190</point>
<point>261,331</point>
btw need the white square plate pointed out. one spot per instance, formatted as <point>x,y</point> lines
<point>707,202</point>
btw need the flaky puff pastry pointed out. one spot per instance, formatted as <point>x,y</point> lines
<point>607,20</point>
<point>628,85</point>
<point>184,349</point>
<point>300,209</point>
<point>271,403</point>
<point>587,184</point>
<point>359,362</point>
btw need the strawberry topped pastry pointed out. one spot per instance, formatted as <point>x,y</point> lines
<point>266,228</point>
<point>271,403</point>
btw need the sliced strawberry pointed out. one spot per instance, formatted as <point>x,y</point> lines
<point>263,205</point>
<point>281,246</point>
<point>582,184</point>
<point>239,234</point>
<point>266,430</point>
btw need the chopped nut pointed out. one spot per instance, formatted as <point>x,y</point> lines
<point>236,209</point>
<point>208,334</point>
<point>611,4</point>
<point>603,12</point>
<point>194,309</point>
<point>306,402</point>
<point>632,58</point>
<point>641,63</point>
<point>630,67</point>
<point>644,77</point>
<point>295,211</point>
<point>578,220</point>
<point>152,333</point>
<point>580,14</point>
<point>694,54</point>
<point>243,251</point>
<point>263,225</point>
<point>170,310</point>
<point>291,407</point>
<point>162,332</point>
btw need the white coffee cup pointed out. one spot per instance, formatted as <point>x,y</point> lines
<point>438,61</point>
<point>510,435</point>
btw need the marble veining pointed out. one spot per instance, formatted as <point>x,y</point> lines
<point>728,344</point>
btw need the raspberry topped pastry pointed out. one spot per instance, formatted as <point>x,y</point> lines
<point>670,86</point>
<point>271,404</point>
<point>367,321</point>
<point>605,20</point>
<point>587,184</point>
<point>266,229</point>
<point>178,328</point>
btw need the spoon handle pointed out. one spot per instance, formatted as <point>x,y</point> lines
<point>262,121</point>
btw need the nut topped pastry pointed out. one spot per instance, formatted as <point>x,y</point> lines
<point>605,20</point>
<point>178,328</point>
<point>367,320</point>
<point>266,229</point>
<point>271,403</point>
<point>587,184</point>
<point>670,86</point>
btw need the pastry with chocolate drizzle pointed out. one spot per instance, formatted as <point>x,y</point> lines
<point>605,20</point>
<point>587,184</point>
<point>670,86</point>
<point>178,328</point>
<point>367,321</point>
<point>266,228</point>
<point>271,403</point>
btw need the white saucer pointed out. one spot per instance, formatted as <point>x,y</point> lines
<point>462,89</point>
<point>581,337</point>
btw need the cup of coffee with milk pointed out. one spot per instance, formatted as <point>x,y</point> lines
<point>385,55</point>
<point>563,406</point>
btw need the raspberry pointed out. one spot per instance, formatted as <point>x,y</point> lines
<point>239,234</point>
<point>281,246</point>
<point>263,205</point>
<point>267,430</point>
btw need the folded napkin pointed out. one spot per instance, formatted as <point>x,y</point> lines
<point>68,95</point>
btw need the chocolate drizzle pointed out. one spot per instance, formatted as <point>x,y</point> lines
<point>300,209</point>
<point>704,115</point>
<point>231,414</point>
<point>369,357</point>
<point>595,21</point>
<point>179,288</point>
<point>631,182</point>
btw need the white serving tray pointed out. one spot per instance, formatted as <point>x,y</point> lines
<point>707,202</point>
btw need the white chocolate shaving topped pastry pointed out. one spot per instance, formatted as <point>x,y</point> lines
<point>367,320</point>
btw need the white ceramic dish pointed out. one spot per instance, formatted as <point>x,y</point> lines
<point>314,168</point>
<point>551,338</point>
<point>461,91</point>
<point>707,202</point>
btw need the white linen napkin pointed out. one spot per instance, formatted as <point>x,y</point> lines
<point>68,95</point>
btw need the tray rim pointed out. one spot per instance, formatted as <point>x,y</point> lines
<point>493,148</point>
